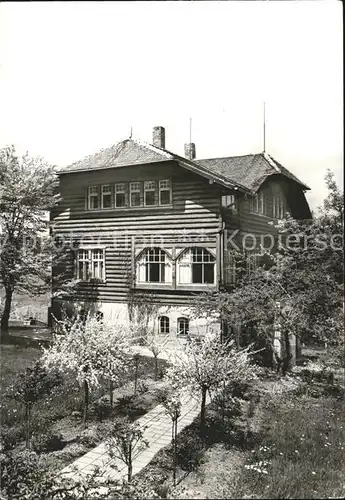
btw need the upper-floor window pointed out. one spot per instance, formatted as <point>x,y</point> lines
<point>154,266</point>
<point>165,192</point>
<point>106,196</point>
<point>257,203</point>
<point>164,324</point>
<point>90,264</point>
<point>196,265</point>
<point>135,189</point>
<point>278,207</point>
<point>93,197</point>
<point>132,194</point>
<point>149,193</point>
<point>229,201</point>
<point>120,195</point>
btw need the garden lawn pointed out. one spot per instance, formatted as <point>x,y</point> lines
<point>292,445</point>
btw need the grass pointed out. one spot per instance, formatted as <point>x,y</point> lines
<point>296,449</point>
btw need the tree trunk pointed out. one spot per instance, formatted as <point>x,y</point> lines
<point>286,365</point>
<point>6,313</point>
<point>156,367</point>
<point>130,464</point>
<point>175,449</point>
<point>203,410</point>
<point>136,374</point>
<point>111,393</point>
<point>86,401</point>
<point>27,426</point>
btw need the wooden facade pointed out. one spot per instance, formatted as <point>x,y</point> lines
<point>196,218</point>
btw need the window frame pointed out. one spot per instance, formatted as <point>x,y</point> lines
<point>229,201</point>
<point>164,325</point>
<point>148,189</point>
<point>90,259</point>
<point>138,190</point>
<point>143,260</point>
<point>110,192</point>
<point>279,209</point>
<point>164,189</point>
<point>90,195</point>
<point>120,191</point>
<point>185,320</point>
<point>191,262</point>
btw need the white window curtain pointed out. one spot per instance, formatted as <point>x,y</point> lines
<point>184,264</point>
<point>141,269</point>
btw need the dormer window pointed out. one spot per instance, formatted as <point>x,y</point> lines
<point>229,201</point>
<point>278,207</point>
<point>257,204</point>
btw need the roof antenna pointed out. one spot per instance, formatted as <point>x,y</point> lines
<point>264,127</point>
<point>130,136</point>
<point>190,130</point>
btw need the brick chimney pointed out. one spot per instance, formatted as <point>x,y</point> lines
<point>189,150</point>
<point>158,137</point>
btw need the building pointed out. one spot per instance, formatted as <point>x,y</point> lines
<point>140,224</point>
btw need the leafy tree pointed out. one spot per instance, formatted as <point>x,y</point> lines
<point>125,441</point>
<point>92,349</point>
<point>31,386</point>
<point>298,290</point>
<point>204,364</point>
<point>27,191</point>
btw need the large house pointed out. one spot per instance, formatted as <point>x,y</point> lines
<point>137,220</point>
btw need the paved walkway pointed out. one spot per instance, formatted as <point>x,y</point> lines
<point>157,433</point>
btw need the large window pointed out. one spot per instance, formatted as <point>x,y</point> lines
<point>183,326</point>
<point>132,194</point>
<point>154,266</point>
<point>164,324</point>
<point>196,265</point>
<point>90,264</point>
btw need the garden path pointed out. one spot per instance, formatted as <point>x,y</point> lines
<point>157,432</point>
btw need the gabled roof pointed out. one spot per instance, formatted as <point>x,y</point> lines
<point>130,152</point>
<point>245,173</point>
<point>251,170</point>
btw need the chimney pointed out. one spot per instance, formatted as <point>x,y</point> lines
<point>189,150</point>
<point>158,137</point>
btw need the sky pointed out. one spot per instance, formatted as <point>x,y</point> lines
<point>76,76</point>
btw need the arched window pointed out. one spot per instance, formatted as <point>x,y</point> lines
<point>196,265</point>
<point>183,326</point>
<point>164,324</point>
<point>154,266</point>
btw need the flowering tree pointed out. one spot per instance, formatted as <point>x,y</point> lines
<point>27,191</point>
<point>31,386</point>
<point>126,441</point>
<point>204,364</point>
<point>92,349</point>
<point>156,345</point>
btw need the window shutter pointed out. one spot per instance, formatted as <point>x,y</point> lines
<point>141,268</point>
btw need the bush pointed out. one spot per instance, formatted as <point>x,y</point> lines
<point>10,437</point>
<point>102,409</point>
<point>189,451</point>
<point>45,442</point>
